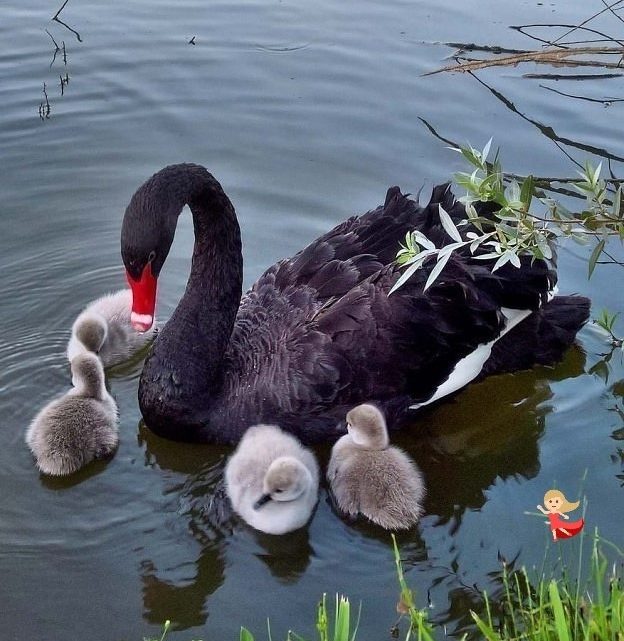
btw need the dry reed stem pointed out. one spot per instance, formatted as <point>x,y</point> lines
<point>553,56</point>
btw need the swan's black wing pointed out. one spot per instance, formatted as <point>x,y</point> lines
<point>319,332</point>
<point>279,363</point>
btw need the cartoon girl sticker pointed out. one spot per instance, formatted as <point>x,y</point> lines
<point>556,505</point>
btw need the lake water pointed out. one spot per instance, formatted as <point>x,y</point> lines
<point>306,112</point>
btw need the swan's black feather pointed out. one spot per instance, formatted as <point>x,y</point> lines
<point>319,332</point>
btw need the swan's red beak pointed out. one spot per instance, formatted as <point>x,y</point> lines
<point>143,299</point>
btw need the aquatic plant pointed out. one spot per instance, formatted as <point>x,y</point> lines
<point>531,607</point>
<point>518,226</point>
<point>343,629</point>
<point>559,609</point>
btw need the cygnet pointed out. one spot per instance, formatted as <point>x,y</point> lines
<point>370,477</point>
<point>78,427</point>
<point>104,328</point>
<point>272,480</point>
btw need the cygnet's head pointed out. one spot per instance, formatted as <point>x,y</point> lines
<point>286,480</point>
<point>367,427</point>
<point>88,374</point>
<point>91,331</point>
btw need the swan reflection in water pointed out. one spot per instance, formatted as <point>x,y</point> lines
<point>461,449</point>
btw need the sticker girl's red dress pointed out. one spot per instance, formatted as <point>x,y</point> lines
<point>557,524</point>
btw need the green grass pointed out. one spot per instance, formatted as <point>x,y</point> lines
<point>559,609</point>
<point>529,608</point>
<point>343,628</point>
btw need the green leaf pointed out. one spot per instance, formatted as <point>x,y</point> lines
<point>504,259</point>
<point>245,635</point>
<point>486,150</point>
<point>422,240</point>
<point>526,191</point>
<point>486,630</point>
<point>594,256</point>
<point>449,225</point>
<point>343,619</point>
<point>561,624</point>
<point>437,270</point>
<point>596,174</point>
<point>417,264</point>
<point>617,203</point>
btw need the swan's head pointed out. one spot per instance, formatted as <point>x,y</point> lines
<point>146,235</point>
<point>367,427</point>
<point>286,480</point>
<point>88,374</point>
<point>91,331</point>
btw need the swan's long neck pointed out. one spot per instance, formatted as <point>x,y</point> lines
<point>184,368</point>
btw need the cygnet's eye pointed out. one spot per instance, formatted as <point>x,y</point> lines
<point>279,490</point>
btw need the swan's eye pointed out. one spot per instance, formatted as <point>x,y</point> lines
<point>279,490</point>
<point>151,256</point>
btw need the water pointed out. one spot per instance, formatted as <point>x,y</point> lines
<point>306,112</point>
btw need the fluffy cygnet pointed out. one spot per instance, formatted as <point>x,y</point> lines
<point>79,426</point>
<point>104,328</point>
<point>272,480</point>
<point>369,477</point>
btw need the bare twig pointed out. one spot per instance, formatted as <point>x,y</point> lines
<point>56,18</point>
<point>44,107</point>
<point>471,46</point>
<point>603,101</point>
<point>64,83</point>
<point>56,48</point>
<point>573,76</point>
<point>610,8</point>
<point>555,43</point>
<point>548,131</point>
<point>581,25</point>
<point>56,15</point>
<point>540,181</point>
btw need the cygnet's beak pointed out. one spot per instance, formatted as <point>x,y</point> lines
<point>263,500</point>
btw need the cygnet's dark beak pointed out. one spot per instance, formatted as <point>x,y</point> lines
<point>263,500</point>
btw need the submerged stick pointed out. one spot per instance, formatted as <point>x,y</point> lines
<point>554,56</point>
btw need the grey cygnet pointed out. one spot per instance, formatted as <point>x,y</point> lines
<point>370,477</point>
<point>78,427</point>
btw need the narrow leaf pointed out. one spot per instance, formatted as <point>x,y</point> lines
<point>486,630</point>
<point>486,150</point>
<point>561,624</point>
<point>526,192</point>
<point>489,256</point>
<point>597,173</point>
<point>406,275</point>
<point>436,271</point>
<point>504,259</point>
<point>419,258</point>
<point>422,240</point>
<point>245,635</point>
<point>595,255</point>
<point>449,225</point>
<point>617,203</point>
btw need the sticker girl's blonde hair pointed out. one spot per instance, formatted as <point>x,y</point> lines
<point>566,505</point>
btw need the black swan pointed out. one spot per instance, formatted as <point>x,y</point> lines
<point>318,333</point>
